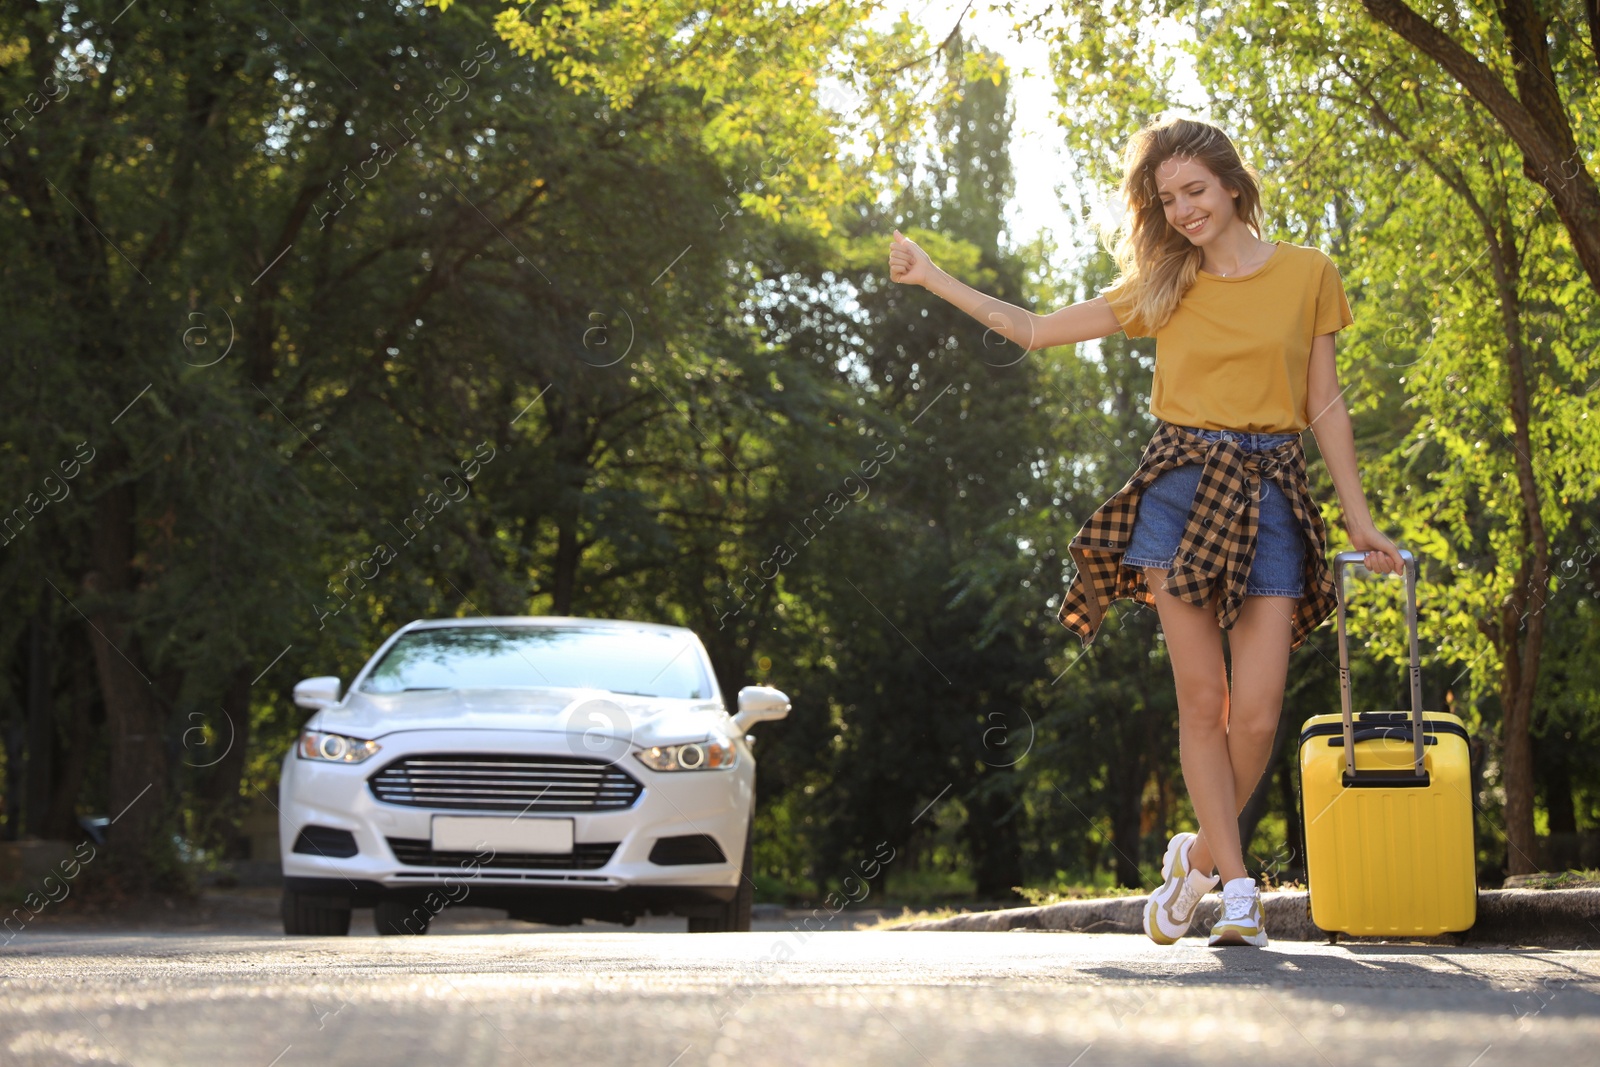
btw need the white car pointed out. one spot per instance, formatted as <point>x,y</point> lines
<point>559,768</point>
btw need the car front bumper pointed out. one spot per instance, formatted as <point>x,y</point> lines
<point>670,804</point>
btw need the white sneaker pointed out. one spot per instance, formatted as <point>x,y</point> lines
<point>1241,922</point>
<point>1170,909</point>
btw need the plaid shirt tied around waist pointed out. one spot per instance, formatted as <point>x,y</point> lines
<point>1219,539</point>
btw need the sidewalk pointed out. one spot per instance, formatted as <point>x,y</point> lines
<point>1534,918</point>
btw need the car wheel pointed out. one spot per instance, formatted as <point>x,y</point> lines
<point>306,915</point>
<point>400,917</point>
<point>734,915</point>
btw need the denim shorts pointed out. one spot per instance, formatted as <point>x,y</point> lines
<point>1164,511</point>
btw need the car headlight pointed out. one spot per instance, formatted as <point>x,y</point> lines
<point>335,748</point>
<point>715,753</point>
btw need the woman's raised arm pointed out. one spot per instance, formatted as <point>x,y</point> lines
<point>1084,321</point>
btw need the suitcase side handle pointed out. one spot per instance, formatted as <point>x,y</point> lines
<point>1387,733</point>
<point>1418,773</point>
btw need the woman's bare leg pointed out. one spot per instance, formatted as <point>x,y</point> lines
<point>1194,644</point>
<point>1259,648</point>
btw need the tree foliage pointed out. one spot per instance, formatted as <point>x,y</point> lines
<point>319,321</point>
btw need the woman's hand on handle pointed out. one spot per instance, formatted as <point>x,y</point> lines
<point>1383,555</point>
<point>908,264</point>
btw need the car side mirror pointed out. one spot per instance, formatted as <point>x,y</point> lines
<point>317,693</point>
<point>759,703</point>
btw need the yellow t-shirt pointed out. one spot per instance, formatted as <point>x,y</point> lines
<point>1235,353</point>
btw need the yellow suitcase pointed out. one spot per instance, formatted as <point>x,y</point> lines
<point>1386,803</point>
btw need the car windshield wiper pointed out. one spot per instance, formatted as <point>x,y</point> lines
<point>424,688</point>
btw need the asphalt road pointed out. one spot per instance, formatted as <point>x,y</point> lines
<point>477,993</point>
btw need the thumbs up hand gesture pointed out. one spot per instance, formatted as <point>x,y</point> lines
<point>908,264</point>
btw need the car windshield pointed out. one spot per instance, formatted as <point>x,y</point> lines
<point>640,662</point>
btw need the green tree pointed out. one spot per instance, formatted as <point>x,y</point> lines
<point>1366,152</point>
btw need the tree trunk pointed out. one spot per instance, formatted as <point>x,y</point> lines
<point>223,759</point>
<point>41,723</point>
<point>15,741</point>
<point>1126,796</point>
<point>138,779</point>
<point>1524,608</point>
<point>1477,754</point>
<point>993,840</point>
<point>572,447</point>
<point>564,580</point>
<point>1517,774</point>
<point>1294,830</point>
<point>61,820</point>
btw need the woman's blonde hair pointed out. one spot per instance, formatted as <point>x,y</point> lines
<point>1157,262</point>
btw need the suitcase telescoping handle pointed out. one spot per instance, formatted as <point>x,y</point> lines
<point>1418,775</point>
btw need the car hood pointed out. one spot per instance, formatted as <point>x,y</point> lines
<point>592,713</point>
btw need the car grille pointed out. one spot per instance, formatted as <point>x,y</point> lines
<point>505,783</point>
<point>585,856</point>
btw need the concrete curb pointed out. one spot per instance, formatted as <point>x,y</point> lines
<point>1542,918</point>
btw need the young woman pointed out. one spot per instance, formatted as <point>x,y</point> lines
<point>1216,528</point>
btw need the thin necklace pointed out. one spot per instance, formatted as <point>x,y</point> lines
<point>1223,274</point>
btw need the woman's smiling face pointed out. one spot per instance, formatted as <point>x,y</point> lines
<point>1194,200</point>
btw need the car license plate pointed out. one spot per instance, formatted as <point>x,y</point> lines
<point>468,833</point>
